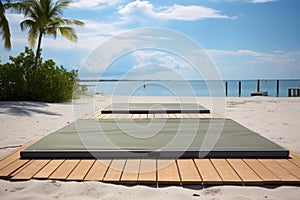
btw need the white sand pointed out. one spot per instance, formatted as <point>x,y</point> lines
<point>275,118</point>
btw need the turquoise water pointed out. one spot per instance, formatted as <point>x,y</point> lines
<point>188,88</point>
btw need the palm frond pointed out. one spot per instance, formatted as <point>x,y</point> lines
<point>5,32</point>
<point>2,9</point>
<point>51,31</point>
<point>44,16</point>
<point>27,23</point>
<point>17,6</point>
<point>57,9</point>
<point>32,36</point>
<point>73,22</point>
<point>69,33</point>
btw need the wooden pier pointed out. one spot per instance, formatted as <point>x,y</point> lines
<point>294,92</point>
<point>154,171</point>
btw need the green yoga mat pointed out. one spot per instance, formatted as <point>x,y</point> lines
<point>154,138</point>
<point>146,108</point>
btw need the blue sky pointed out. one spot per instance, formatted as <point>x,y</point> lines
<point>246,39</point>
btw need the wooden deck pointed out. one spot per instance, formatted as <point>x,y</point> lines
<point>152,171</point>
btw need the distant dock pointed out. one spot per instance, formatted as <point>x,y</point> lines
<point>294,92</point>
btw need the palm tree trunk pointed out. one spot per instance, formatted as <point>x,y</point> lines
<point>38,50</point>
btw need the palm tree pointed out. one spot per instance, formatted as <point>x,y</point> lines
<point>43,17</point>
<point>4,27</point>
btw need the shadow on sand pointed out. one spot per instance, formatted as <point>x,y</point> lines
<point>24,108</point>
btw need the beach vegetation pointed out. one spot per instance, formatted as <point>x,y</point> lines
<point>19,80</point>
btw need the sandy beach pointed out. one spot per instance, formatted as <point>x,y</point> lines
<point>275,118</point>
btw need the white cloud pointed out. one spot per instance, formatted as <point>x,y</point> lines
<point>252,53</point>
<point>262,1</point>
<point>275,56</point>
<point>92,28</point>
<point>249,64</point>
<point>175,12</point>
<point>190,13</point>
<point>159,58</point>
<point>144,6</point>
<point>248,1</point>
<point>93,4</point>
<point>89,36</point>
<point>13,17</point>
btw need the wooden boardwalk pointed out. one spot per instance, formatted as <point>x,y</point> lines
<point>153,171</point>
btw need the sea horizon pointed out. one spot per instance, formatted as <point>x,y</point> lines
<point>189,88</point>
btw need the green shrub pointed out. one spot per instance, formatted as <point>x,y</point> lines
<point>48,83</point>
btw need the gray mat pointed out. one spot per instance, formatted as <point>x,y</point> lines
<point>156,138</point>
<point>146,108</point>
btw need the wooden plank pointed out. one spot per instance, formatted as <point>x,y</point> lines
<point>131,171</point>
<point>185,115</point>
<point>247,175</point>
<point>207,171</point>
<point>119,116</point>
<point>290,167</point>
<point>7,171</point>
<point>98,170</point>
<point>97,111</point>
<point>226,172</point>
<point>116,116</point>
<point>122,116</point>
<point>205,115</point>
<point>17,150</point>
<point>101,116</point>
<point>167,172</point>
<point>148,173</point>
<point>178,115</point>
<point>170,115</point>
<point>198,115</point>
<point>294,159</point>
<point>188,172</point>
<point>164,115</point>
<point>265,174</point>
<point>92,115</point>
<point>115,170</point>
<point>14,155</point>
<point>294,154</point>
<point>21,168</point>
<point>135,116</point>
<point>28,172</point>
<point>81,170</point>
<point>215,115</point>
<point>144,116</point>
<point>127,116</point>
<point>279,171</point>
<point>194,115</point>
<point>48,169</point>
<point>10,159</point>
<point>106,116</point>
<point>63,171</point>
<point>109,116</point>
<point>158,116</point>
<point>150,116</point>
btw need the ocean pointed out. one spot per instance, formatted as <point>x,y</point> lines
<point>187,88</point>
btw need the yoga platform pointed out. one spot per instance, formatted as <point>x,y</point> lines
<point>189,171</point>
<point>153,138</point>
<point>152,108</point>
